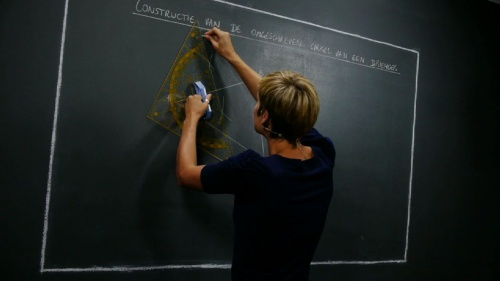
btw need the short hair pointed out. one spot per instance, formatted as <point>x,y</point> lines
<point>292,103</point>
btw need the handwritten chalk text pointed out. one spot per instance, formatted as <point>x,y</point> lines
<point>320,48</point>
<point>357,58</point>
<point>212,23</point>
<point>341,54</point>
<point>145,8</point>
<point>276,37</point>
<point>384,66</point>
<point>265,36</point>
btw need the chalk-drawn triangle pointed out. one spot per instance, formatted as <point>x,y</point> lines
<point>191,64</point>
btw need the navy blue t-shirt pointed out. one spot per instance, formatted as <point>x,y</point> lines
<point>279,211</point>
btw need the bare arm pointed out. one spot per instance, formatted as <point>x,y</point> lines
<point>221,41</point>
<point>188,170</point>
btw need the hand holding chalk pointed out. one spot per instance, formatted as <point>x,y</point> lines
<point>221,41</point>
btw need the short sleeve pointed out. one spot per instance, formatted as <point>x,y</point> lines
<point>314,138</point>
<point>225,177</point>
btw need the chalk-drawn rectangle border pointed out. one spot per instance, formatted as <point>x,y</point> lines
<point>206,266</point>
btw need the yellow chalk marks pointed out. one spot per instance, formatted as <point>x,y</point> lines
<point>191,65</point>
<point>213,143</point>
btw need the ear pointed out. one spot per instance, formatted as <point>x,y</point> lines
<point>265,118</point>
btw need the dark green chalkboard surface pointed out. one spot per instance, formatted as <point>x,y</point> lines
<point>102,174</point>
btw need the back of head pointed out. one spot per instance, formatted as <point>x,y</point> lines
<point>292,103</point>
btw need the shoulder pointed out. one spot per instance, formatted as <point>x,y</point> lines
<point>314,136</point>
<point>316,139</point>
<point>234,169</point>
<point>244,160</point>
<point>247,155</point>
<point>234,162</point>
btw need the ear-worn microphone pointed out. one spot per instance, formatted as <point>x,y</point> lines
<point>273,132</point>
<point>279,135</point>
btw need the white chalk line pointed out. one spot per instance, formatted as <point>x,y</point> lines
<point>216,90</point>
<point>53,141</point>
<point>312,24</point>
<point>357,262</point>
<point>227,87</point>
<point>227,136</point>
<point>200,266</point>
<point>412,157</point>
<point>141,268</point>
<point>224,88</point>
<point>279,45</point>
<point>220,89</point>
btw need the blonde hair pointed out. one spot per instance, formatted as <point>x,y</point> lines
<point>292,103</point>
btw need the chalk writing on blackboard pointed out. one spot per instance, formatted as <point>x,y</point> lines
<point>164,13</point>
<point>282,38</point>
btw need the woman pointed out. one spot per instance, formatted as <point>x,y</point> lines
<point>281,201</point>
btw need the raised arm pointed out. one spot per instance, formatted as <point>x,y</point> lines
<point>221,41</point>
<point>188,170</point>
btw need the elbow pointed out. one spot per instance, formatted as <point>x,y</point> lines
<point>189,177</point>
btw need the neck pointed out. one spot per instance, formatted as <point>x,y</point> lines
<point>288,150</point>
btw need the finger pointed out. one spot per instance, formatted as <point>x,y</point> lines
<point>197,97</point>
<point>209,98</point>
<point>213,40</point>
<point>215,30</point>
<point>212,31</point>
<point>210,38</point>
<point>216,33</point>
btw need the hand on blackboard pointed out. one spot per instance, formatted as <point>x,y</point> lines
<point>221,41</point>
<point>195,108</point>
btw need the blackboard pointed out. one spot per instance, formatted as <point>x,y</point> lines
<point>409,95</point>
<point>113,202</point>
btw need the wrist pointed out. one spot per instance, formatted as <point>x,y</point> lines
<point>233,58</point>
<point>190,121</point>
